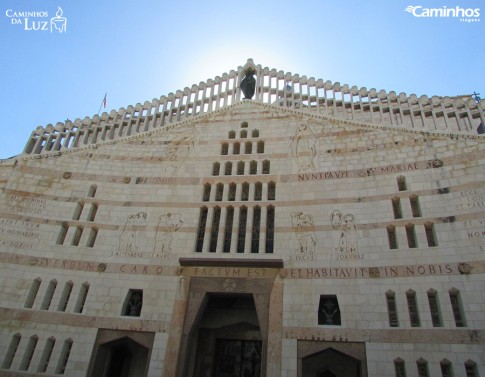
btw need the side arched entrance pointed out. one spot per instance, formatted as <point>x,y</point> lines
<point>121,354</point>
<point>331,359</point>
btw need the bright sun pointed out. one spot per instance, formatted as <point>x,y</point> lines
<point>216,61</point>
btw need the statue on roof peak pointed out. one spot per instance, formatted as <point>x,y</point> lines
<point>248,84</point>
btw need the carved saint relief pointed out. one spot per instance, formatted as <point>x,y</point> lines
<point>129,234</point>
<point>168,224</point>
<point>129,240</point>
<point>305,231</point>
<point>304,148</point>
<point>177,148</point>
<point>348,231</point>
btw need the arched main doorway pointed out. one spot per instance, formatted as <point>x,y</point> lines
<point>227,339</point>
<point>225,318</point>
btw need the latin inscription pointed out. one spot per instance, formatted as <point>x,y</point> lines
<point>65,264</point>
<point>476,233</point>
<point>139,254</point>
<point>230,272</point>
<point>389,169</point>
<point>141,269</point>
<point>21,231</point>
<point>17,228</point>
<point>243,272</point>
<point>372,272</point>
<point>25,204</point>
<point>16,244</point>
<point>156,180</point>
<point>470,199</point>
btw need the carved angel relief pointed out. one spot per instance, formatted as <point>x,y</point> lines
<point>304,148</point>
<point>177,148</point>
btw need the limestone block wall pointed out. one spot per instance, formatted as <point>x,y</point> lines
<point>359,211</point>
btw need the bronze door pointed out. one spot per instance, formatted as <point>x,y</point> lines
<point>237,358</point>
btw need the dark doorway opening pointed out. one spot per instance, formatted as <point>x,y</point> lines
<point>237,358</point>
<point>120,358</point>
<point>327,373</point>
<point>331,363</point>
<point>120,361</point>
<point>227,340</point>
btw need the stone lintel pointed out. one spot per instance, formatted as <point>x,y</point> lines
<point>233,262</point>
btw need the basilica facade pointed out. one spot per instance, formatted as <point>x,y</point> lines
<point>260,223</point>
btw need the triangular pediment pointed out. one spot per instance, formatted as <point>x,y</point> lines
<point>173,154</point>
<point>460,115</point>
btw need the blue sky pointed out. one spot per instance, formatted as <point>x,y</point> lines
<point>139,50</point>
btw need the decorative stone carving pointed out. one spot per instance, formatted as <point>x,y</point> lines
<point>374,272</point>
<point>348,231</point>
<point>101,267</point>
<point>464,268</point>
<point>168,224</point>
<point>305,231</point>
<point>177,148</point>
<point>229,285</point>
<point>303,148</point>
<point>128,238</point>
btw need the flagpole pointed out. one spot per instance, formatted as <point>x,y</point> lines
<point>103,102</point>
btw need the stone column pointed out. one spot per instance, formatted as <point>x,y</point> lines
<point>183,318</point>
<point>217,93</point>
<point>211,96</point>
<point>275,329</point>
<point>208,225</point>
<point>235,230</point>
<point>262,233</point>
<point>57,144</point>
<point>224,81</point>
<point>249,228</point>
<point>222,228</point>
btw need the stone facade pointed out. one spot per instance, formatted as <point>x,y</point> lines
<point>313,230</point>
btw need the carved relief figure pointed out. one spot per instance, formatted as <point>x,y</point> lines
<point>305,231</point>
<point>168,224</point>
<point>129,234</point>
<point>348,231</point>
<point>303,148</point>
<point>178,147</point>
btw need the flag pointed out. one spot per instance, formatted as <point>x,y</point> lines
<point>104,100</point>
